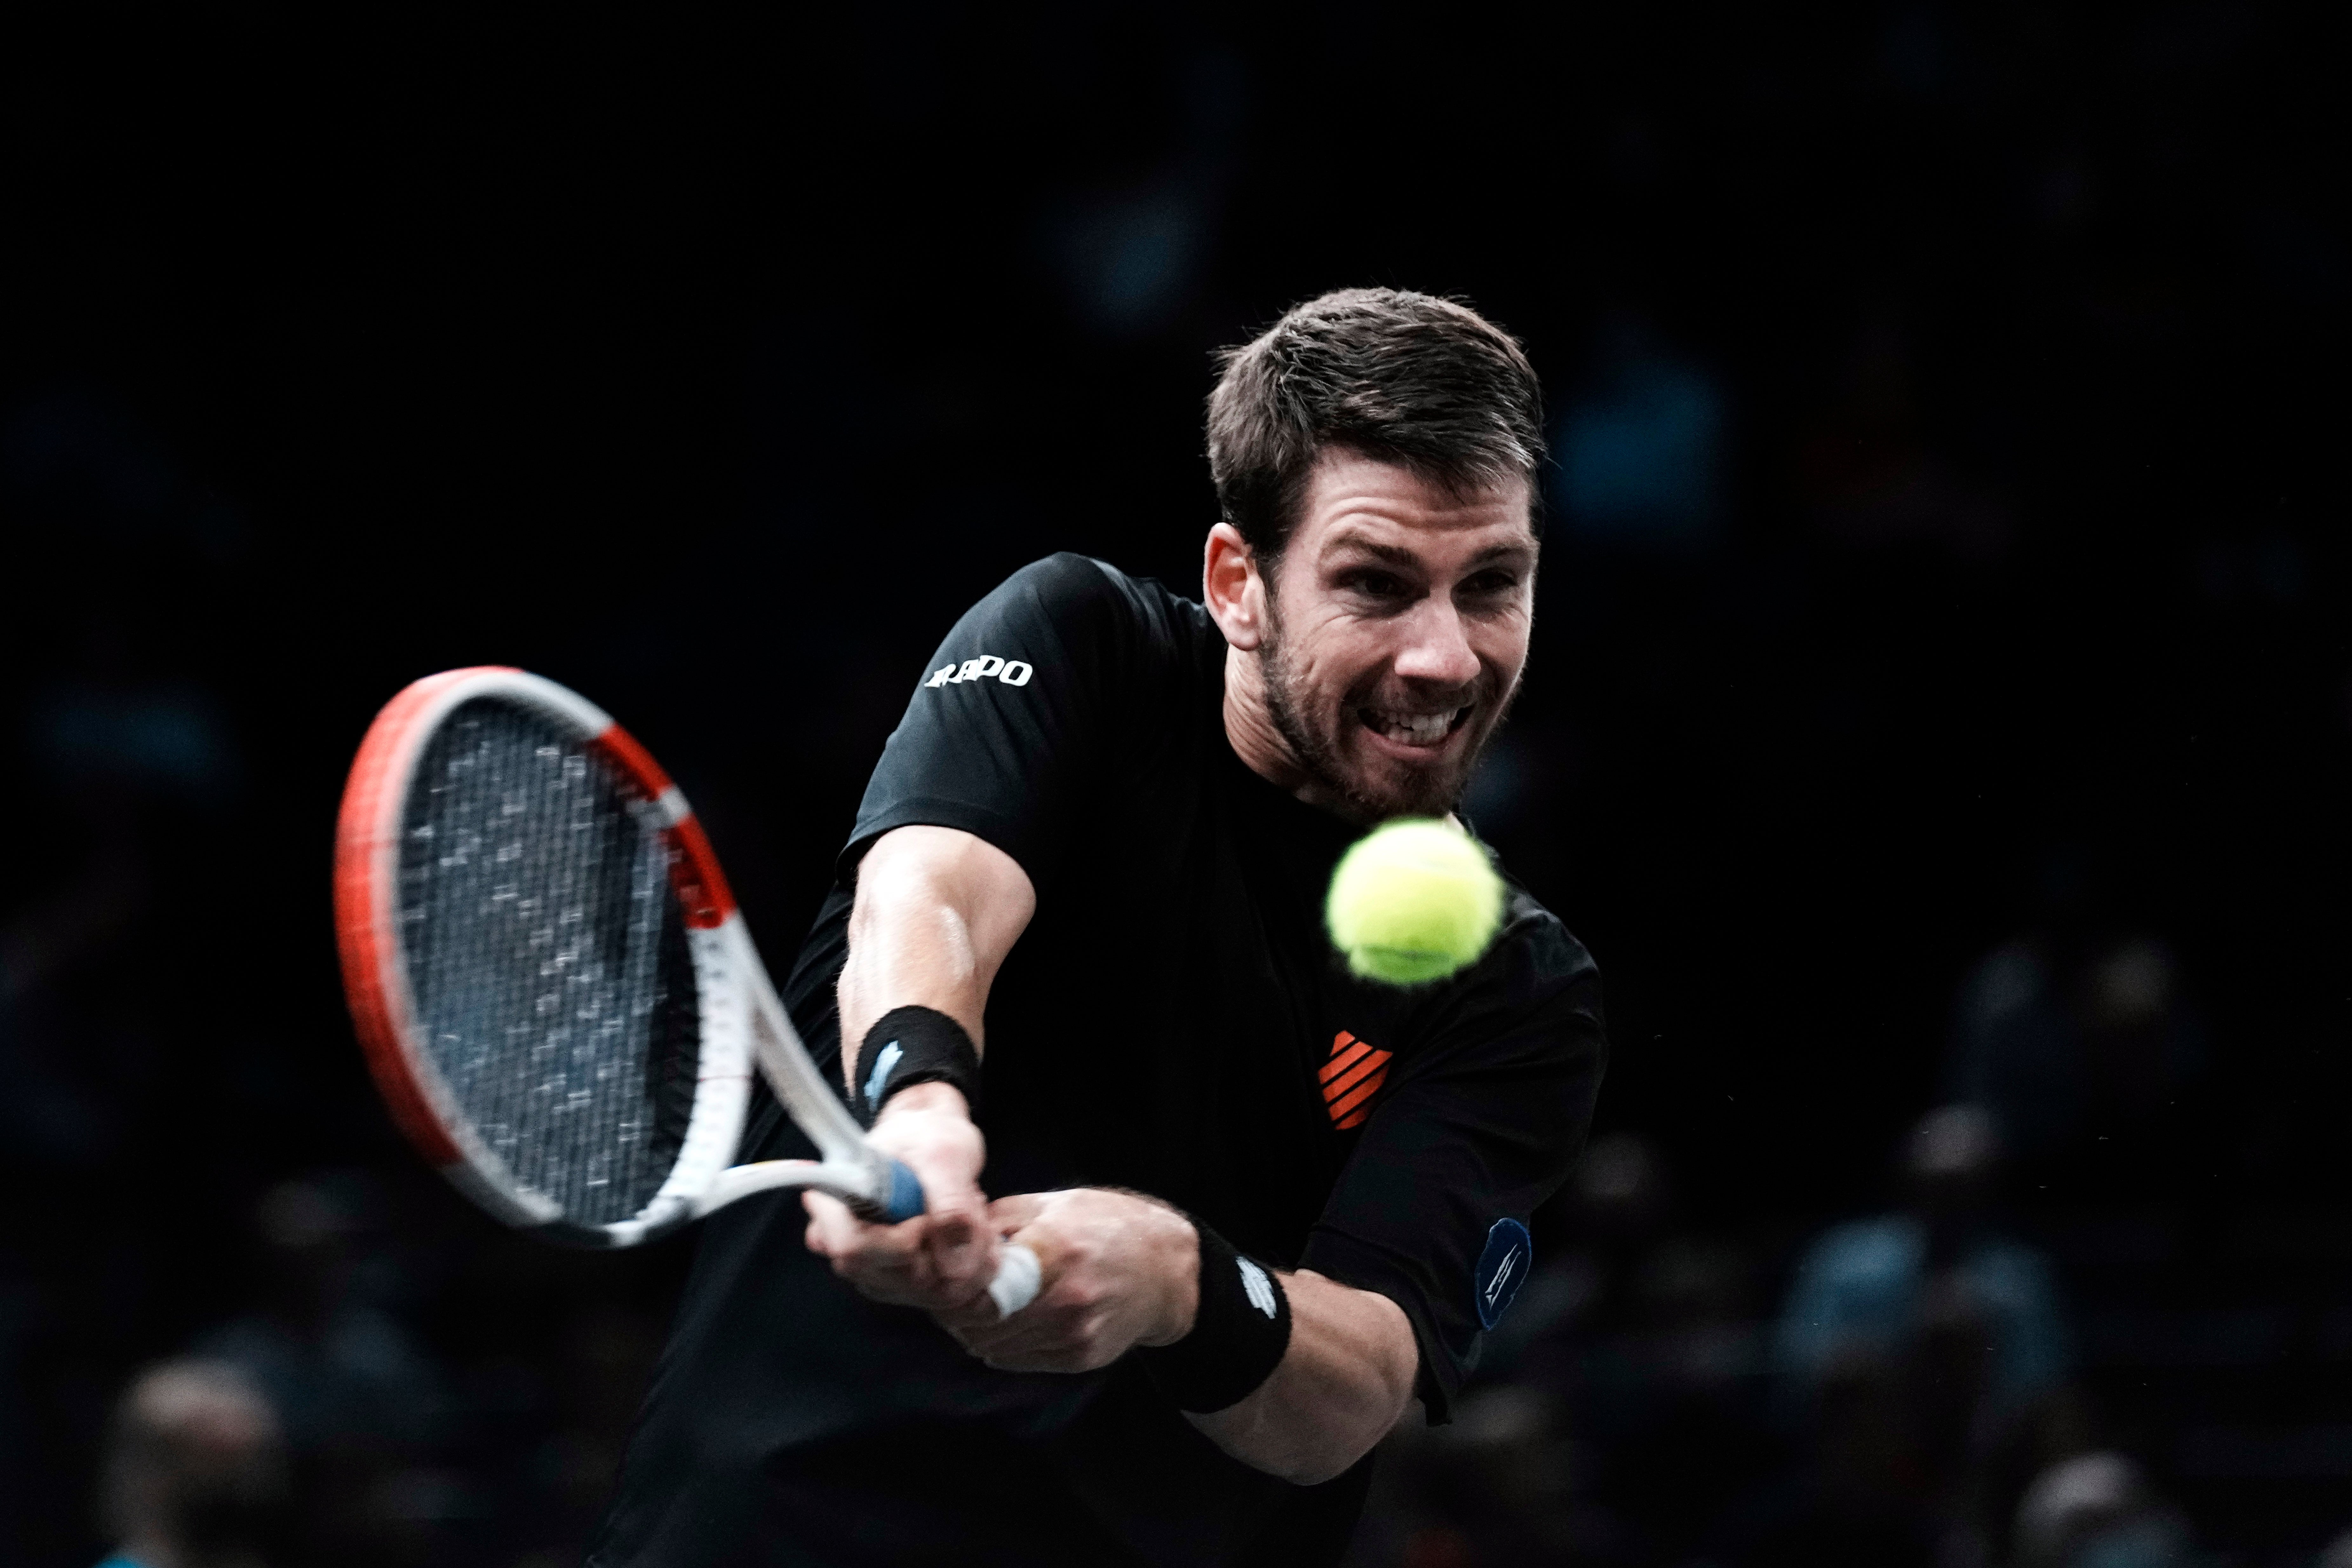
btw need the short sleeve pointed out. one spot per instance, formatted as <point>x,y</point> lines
<point>1485,1123</point>
<point>1009,726</point>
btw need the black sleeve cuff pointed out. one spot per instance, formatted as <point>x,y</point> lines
<point>1364,1265</point>
<point>1019,838</point>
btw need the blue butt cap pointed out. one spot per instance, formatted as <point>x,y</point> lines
<point>906,1195</point>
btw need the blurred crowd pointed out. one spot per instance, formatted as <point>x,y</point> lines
<point>1961,1380</point>
<point>1957,1379</point>
<point>1937,726</point>
<point>386,1395</point>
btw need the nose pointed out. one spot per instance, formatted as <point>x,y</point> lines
<point>1437,646</point>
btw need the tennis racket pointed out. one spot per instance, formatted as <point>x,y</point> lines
<point>557,996</point>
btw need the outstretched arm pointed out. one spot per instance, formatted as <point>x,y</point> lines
<point>936,912</point>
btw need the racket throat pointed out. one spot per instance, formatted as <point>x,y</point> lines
<point>853,1184</point>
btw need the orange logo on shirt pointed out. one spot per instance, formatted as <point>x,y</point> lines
<point>1351,1079</point>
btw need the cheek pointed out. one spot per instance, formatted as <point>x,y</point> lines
<point>1341,654</point>
<point>1343,678</point>
<point>1503,645</point>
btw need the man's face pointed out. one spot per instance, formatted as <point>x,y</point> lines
<point>1397,629</point>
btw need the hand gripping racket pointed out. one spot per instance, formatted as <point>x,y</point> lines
<point>556,994</point>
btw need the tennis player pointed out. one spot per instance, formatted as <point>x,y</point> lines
<point>1076,956</point>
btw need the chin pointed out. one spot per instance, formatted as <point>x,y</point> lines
<point>1389,791</point>
<point>1386,778</point>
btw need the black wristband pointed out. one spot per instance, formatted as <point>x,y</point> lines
<point>915,1044</point>
<point>1240,1332</point>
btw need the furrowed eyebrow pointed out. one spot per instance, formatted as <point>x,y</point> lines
<point>1395,556</point>
<point>1503,554</point>
<point>1349,542</point>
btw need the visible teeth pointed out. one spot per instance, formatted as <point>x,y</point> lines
<point>1418,728</point>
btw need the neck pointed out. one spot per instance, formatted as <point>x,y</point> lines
<point>1260,743</point>
<point>1251,730</point>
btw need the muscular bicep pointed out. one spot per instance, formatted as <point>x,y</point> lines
<point>937,910</point>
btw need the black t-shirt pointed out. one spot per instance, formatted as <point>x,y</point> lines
<point>1173,1021</point>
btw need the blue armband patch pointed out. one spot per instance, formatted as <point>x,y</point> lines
<point>1501,1270</point>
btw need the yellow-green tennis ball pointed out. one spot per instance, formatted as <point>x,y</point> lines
<point>1412,902</point>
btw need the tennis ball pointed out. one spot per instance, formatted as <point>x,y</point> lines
<point>1412,902</point>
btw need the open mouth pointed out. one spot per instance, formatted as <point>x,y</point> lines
<point>1427,730</point>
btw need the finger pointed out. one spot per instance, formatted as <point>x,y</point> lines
<point>976,1315</point>
<point>1012,1214</point>
<point>1056,1345</point>
<point>1034,1331</point>
<point>1005,1350</point>
<point>953,1228</point>
<point>887,1256</point>
<point>963,1246</point>
<point>843,1236</point>
<point>981,1327</point>
<point>1046,1239</point>
<point>1064,1357</point>
<point>830,1227</point>
<point>1071,1340</point>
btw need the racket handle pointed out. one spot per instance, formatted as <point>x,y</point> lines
<point>1018,1274</point>
<point>906,1199</point>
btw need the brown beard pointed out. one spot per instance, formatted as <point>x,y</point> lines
<point>1430,795</point>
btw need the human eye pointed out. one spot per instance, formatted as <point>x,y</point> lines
<point>1494,585</point>
<point>1374,583</point>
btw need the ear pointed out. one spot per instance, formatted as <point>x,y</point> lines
<point>1232,588</point>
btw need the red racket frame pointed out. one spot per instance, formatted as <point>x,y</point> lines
<point>742,1018</point>
<point>367,873</point>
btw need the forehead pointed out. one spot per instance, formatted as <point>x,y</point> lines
<point>1357,504</point>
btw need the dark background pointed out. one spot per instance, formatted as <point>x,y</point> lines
<point>1956,552</point>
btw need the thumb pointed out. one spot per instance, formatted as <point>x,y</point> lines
<point>962,1250</point>
<point>953,1229</point>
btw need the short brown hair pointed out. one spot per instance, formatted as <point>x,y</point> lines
<point>1411,379</point>
<point>195,1451</point>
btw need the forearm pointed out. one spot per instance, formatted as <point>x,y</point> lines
<point>936,912</point>
<point>1341,1385</point>
<point>1122,1270</point>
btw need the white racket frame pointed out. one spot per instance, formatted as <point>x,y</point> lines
<point>742,1019</point>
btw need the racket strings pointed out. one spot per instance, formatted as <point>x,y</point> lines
<point>551,971</point>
